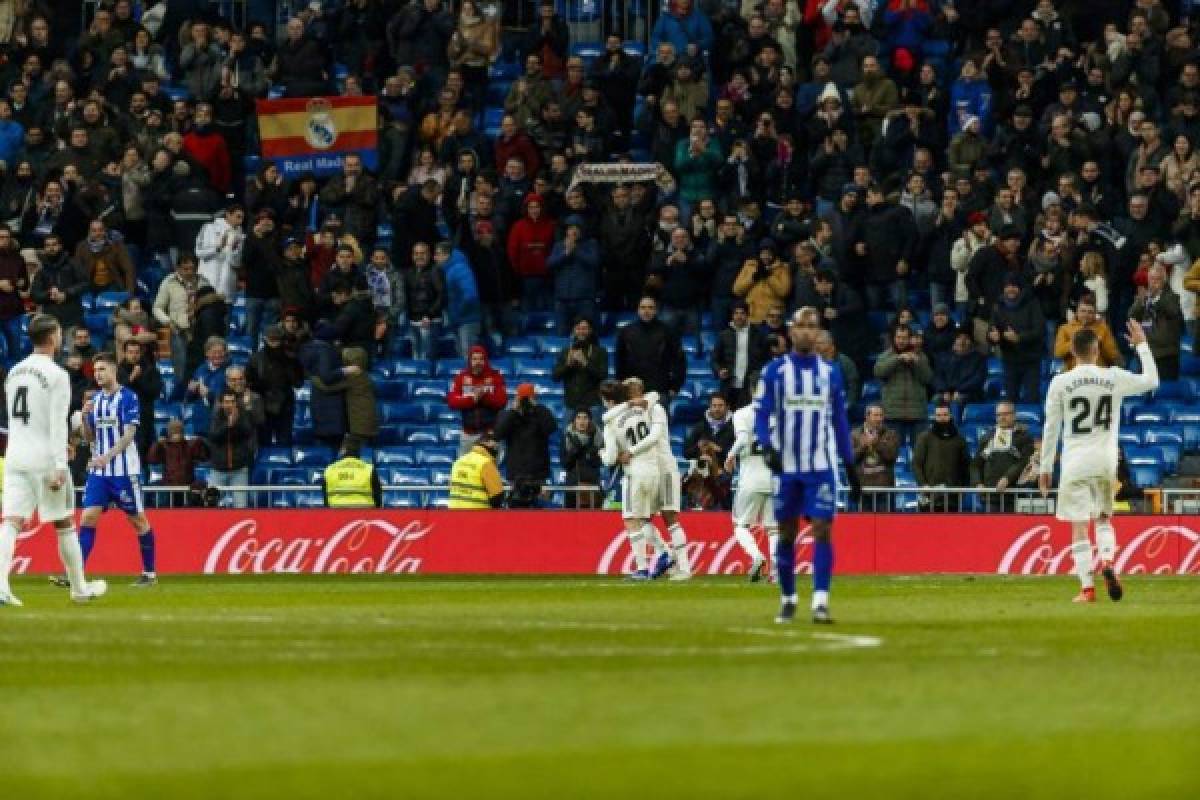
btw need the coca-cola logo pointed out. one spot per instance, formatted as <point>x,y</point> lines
<point>359,546</point>
<point>721,557</point>
<point>1151,551</point>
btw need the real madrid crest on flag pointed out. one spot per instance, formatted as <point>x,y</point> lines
<point>320,130</point>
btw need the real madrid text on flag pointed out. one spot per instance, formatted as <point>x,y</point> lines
<point>314,134</point>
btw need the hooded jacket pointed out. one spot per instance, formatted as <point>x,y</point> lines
<point>1025,317</point>
<point>478,413</point>
<point>965,374</point>
<point>462,294</point>
<point>940,458</point>
<point>530,240</point>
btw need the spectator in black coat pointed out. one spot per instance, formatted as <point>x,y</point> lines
<point>842,315</point>
<point>727,254</point>
<point>987,271</point>
<point>300,63</point>
<point>650,350</point>
<point>1018,329</point>
<point>353,317</point>
<point>525,428</point>
<point>260,267</point>
<point>883,243</point>
<point>940,332</point>
<point>959,376</point>
<point>739,356</point>
<point>138,370</point>
<point>581,367</point>
<point>679,274</point>
<point>275,374</point>
<point>231,445</point>
<point>59,286</point>
<point>581,459</point>
<point>322,362</point>
<point>624,239</point>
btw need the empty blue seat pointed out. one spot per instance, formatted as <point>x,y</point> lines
<point>1149,415</point>
<point>405,476</point>
<point>542,322</point>
<point>530,368</point>
<point>312,456</point>
<point>1162,435</point>
<point>274,457</point>
<point>422,435</point>
<point>436,457</point>
<point>395,457</point>
<point>978,413</point>
<point>401,412</point>
<point>1146,476</point>
<point>551,346</point>
<point>409,368</point>
<point>446,368</point>
<point>429,389</point>
<point>449,434</point>
<point>1138,455</point>
<point>288,476</point>
<point>391,389</point>
<point>1029,414</point>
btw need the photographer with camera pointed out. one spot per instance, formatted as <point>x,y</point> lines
<point>525,429</point>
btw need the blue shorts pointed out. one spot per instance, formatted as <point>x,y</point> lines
<point>107,491</point>
<point>813,496</point>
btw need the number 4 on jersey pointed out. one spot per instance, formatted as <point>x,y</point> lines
<point>20,405</point>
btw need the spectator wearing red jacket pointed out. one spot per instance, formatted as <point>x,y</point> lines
<point>515,143</point>
<point>478,392</point>
<point>529,244</point>
<point>204,145</point>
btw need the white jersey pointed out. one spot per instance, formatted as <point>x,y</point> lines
<point>39,400</point>
<point>1085,404</point>
<point>753,473</point>
<point>634,431</point>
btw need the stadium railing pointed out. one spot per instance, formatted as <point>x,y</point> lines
<point>903,499</point>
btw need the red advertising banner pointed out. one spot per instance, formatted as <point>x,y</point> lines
<point>592,542</point>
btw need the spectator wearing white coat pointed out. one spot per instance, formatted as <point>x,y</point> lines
<point>219,250</point>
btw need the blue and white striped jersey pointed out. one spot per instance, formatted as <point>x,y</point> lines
<point>111,414</point>
<point>800,410</point>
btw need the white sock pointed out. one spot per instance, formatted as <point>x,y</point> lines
<point>793,599</point>
<point>8,546</point>
<point>773,543</point>
<point>679,546</point>
<point>72,559</point>
<point>1106,541</point>
<point>820,598</point>
<point>637,543</point>
<point>746,539</point>
<point>1081,551</point>
<point>654,538</point>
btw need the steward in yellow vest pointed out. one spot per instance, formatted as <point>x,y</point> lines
<point>351,482</point>
<point>474,480</point>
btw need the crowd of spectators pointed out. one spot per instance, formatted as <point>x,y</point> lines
<point>944,182</point>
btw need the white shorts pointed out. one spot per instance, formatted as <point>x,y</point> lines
<point>27,492</point>
<point>1084,499</point>
<point>753,508</point>
<point>670,491</point>
<point>639,496</point>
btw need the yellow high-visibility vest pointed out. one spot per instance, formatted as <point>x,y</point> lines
<point>348,484</point>
<point>466,482</point>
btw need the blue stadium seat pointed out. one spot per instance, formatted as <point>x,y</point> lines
<point>395,457</point>
<point>405,476</point>
<point>288,476</point>
<point>274,457</point>
<point>108,301</point>
<point>449,434</point>
<point>1139,455</point>
<point>1189,364</point>
<point>1146,476</point>
<point>1149,415</point>
<point>1029,414</point>
<point>312,456</point>
<point>536,322</point>
<point>522,346</point>
<point>401,499</point>
<point>446,368</point>
<point>429,390</point>
<point>528,368</point>
<point>698,368</point>
<point>436,457</point>
<point>422,435</point>
<point>978,413</point>
<point>409,368</point>
<point>1130,437</point>
<point>550,346</point>
<point>391,389</point>
<point>444,414</point>
<point>392,413</point>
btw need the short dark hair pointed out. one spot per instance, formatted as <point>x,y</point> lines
<point>613,390</point>
<point>105,357</point>
<point>41,328</point>
<point>1083,341</point>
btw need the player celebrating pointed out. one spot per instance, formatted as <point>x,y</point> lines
<point>652,433</point>
<point>35,475</point>
<point>110,423</point>
<point>752,504</point>
<point>800,417</point>
<point>1086,403</point>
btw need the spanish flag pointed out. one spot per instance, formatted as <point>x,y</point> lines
<point>314,133</point>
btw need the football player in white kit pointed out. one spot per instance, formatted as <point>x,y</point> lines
<point>752,503</point>
<point>35,476</point>
<point>1086,404</point>
<point>641,428</point>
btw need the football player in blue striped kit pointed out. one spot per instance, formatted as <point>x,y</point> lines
<point>800,422</point>
<point>114,473</point>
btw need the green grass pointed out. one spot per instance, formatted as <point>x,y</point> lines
<point>400,687</point>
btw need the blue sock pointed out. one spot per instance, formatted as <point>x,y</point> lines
<point>146,543</point>
<point>87,540</point>
<point>785,566</point>
<point>822,565</point>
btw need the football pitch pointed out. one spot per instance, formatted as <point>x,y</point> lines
<point>398,687</point>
